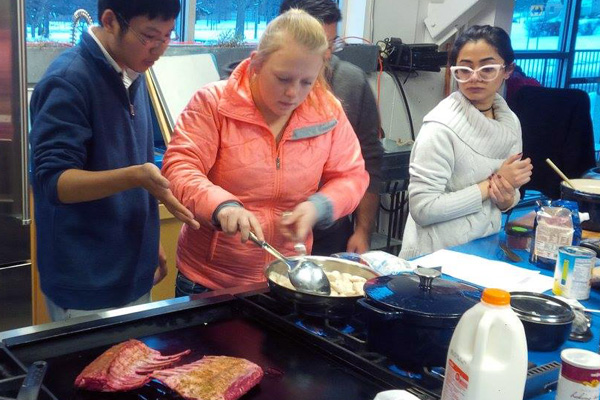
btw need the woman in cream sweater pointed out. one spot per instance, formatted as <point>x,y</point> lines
<point>466,163</point>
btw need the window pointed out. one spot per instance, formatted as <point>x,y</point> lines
<point>586,60</point>
<point>557,42</point>
<point>217,22</point>
<point>59,21</point>
<point>233,22</point>
<point>52,20</point>
<point>537,26</point>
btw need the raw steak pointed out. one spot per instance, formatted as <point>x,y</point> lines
<point>125,366</point>
<point>212,378</point>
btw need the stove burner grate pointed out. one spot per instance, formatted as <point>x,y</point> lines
<point>350,334</point>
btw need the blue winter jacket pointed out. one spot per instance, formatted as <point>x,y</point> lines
<point>100,253</point>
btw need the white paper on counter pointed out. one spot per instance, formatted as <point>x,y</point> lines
<point>486,273</point>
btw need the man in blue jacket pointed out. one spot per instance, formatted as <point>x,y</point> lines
<point>94,182</point>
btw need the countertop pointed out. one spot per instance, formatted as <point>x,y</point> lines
<point>488,247</point>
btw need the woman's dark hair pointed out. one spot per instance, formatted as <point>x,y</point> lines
<point>128,9</point>
<point>494,36</point>
<point>325,11</point>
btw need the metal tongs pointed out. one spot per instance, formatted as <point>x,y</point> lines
<point>305,275</point>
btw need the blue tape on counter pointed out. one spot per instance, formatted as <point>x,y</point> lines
<point>380,293</point>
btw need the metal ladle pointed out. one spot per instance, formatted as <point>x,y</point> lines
<point>305,275</point>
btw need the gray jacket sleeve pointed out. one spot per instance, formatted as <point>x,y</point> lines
<point>349,84</point>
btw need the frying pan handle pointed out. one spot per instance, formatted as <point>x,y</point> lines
<point>378,313</point>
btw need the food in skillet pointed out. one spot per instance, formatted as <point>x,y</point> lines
<point>124,366</point>
<point>212,378</point>
<point>343,284</point>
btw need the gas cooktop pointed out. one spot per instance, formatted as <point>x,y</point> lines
<point>12,376</point>
<point>303,356</point>
<point>350,334</point>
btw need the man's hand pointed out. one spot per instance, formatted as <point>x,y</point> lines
<point>161,270</point>
<point>296,225</point>
<point>235,218</point>
<point>359,242</point>
<point>150,178</point>
<point>365,214</point>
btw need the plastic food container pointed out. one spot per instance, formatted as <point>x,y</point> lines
<point>487,357</point>
<point>518,237</point>
<point>546,319</point>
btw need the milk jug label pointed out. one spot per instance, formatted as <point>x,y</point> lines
<point>456,382</point>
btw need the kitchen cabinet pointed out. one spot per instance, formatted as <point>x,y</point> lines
<point>169,232</point>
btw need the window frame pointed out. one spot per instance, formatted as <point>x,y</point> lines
<point>567,52</point>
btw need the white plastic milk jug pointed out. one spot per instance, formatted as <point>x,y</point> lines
<point>487,358</point>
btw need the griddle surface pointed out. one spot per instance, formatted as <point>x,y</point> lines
<point>293,369</point>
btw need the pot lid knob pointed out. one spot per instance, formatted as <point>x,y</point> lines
<point>426,277</point>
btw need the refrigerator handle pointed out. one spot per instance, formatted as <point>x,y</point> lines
<point>24,112</point>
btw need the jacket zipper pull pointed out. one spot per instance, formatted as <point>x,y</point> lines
<point>131,110</point>
<point>278,163</point>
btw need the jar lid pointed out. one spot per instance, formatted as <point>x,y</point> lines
<point>581,358</point>
<point>519,231</point>
<point>541,308</point>
<point>423,294</point>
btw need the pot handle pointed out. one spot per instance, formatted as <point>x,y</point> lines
<point>426,277</point>
<point>381,314</point>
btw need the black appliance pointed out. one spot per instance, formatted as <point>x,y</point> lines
<point>302,357</point>
<point>414,57</point>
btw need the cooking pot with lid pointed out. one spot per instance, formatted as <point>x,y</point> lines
<point>411,317</point>
<point>546,319</point>
<point>587,196</point>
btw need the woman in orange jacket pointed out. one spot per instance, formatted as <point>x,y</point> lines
<point>270,150</point>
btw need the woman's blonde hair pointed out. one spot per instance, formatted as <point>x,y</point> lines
<point>297,25</point>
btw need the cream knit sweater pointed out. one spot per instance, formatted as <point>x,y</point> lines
<point>457,147</point>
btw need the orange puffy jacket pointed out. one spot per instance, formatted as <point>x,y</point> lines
<point>222,150</point>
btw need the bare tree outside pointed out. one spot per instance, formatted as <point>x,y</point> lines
<point>240,20</point>
<point>40,14</point>
<point>243,21</point>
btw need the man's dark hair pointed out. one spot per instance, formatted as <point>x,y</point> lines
<point>494,36</point>
<point>325,11</point>
<point>128,9</point>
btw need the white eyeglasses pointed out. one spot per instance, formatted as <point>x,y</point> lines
<point>485,73</point>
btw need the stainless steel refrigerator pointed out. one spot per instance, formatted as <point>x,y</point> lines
<point>15,254</point>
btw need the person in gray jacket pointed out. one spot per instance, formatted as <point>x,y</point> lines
<point>465,166</point>
<point>350,86</point>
